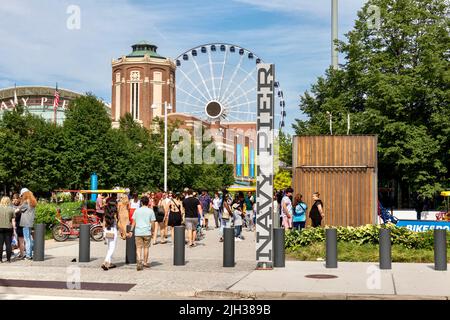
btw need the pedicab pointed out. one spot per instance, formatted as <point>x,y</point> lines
<point>444,215</point>
<point>67,227</point>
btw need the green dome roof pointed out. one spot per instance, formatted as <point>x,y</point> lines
<point>144,47</point>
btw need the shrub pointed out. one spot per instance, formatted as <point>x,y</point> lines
<point>46,212</point>
<point>368,234</point>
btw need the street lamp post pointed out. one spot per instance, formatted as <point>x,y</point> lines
<point>167,106</point>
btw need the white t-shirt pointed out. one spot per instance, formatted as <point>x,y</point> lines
<point>216,203</point>
<point>288,203</point>
<point>237,218</point>
<point>135,205</point>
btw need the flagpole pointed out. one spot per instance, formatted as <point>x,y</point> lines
<point>16,101</point>
<point>55,102</point>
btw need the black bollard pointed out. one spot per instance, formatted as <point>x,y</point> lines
<point>39,242</point>
<point>130,249</point>
<point>278,248</point>
<point>440,249</point>
<point>85,243</point>
<point>385,249</point>
<point>331,250</point>
<point>228,247</point>
<point>178,246</point>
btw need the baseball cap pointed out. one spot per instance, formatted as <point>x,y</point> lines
<point>23,190</point>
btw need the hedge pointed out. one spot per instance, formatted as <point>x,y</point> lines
<point>46,212</point>
<point>295,239</point>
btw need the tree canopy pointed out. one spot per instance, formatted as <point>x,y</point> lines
<point>394,83</point>
<point>43,157</point>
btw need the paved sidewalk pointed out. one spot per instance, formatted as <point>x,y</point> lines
<point>203,276</point>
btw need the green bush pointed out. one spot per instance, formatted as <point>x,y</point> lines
<point>368,234</point>
<point>46,212</point>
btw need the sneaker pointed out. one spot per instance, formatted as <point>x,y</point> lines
<point>28,258</point>
<point>237,239</point>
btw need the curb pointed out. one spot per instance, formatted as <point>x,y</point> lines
<point>210,294</point>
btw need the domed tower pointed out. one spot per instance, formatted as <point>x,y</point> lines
<point>142,82</point>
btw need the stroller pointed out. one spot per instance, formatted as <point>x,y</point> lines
<point>200,233</point>
<point>385,215</point>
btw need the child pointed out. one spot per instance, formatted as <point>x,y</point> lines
<point>237,217</point>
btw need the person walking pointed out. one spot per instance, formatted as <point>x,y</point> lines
<point>27,210</point>
<point>110,230</point>
<point>99,206</point>
<point>237,221</point>
<point>193,210</point>
<point>124,216</point>
<point>226,213</point>
<point>299,218</point>
<point>216,207</point>
<point>175,217</point>
<point>205,201</point>
<point>286,209</point>
<point>6,227</point>
<point>135,203</point>
<point>160,214</point>
<point>316,214</point>
<point>18,230</point>
<point>249,203</point>
<point>143,219</point>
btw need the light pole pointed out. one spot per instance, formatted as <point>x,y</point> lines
<point>331,121</point>
<point>167,106</point>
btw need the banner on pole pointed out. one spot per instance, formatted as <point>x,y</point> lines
<point>264,169</point>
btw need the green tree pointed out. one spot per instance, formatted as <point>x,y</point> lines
<point>86,131</point>
<point>30,152</point>
<point>394,83</point>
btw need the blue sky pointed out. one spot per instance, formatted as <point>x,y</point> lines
<point>38,49</point>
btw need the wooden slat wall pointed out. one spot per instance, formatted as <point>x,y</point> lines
<point>349,194</point>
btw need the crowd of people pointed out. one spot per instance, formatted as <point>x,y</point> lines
<point>16,223</point>
<point>293,210</point>
<point>157,214</point>
<point>154,214</point>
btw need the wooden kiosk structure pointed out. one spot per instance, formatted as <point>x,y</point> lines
<point>343,169</point>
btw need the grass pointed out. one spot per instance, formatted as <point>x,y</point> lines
<point>363,253</point>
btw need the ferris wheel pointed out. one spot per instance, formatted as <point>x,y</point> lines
<point>217,82</point>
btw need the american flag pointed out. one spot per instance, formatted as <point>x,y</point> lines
<point>55,102</point>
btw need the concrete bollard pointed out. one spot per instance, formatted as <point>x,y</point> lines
<point>130,250</point>
<point>331,248</point>
<point>385,249</point>
<point>179,246</point>
<point>440,249</point>
<point>85,243</point>
<point>278,248</point>
<point>228,247</point>
<point>39,242</point>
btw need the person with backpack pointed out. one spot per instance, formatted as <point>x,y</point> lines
<point>299,218</point>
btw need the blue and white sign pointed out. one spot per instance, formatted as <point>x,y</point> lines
<point>423,226</point>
